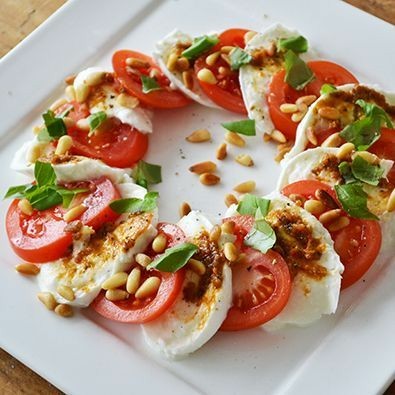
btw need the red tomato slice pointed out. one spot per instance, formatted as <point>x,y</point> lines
<point>163,98</point>
<point>226,92</point>
<point>385,148</point>
<point>280,92</point>
<point>138,311</point>
<point>358,244</point>
<point>77,112</point>
<point>41,237</point>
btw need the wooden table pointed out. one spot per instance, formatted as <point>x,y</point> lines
<point>17,19</point>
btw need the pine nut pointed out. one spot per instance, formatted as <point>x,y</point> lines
<point>209,179</point>
<point>308,99</point>
<point>185,209</point>
<point>115,281</point>
<point>271,49</point>
<point>368,156</point>
<point>297,116</point>
<point>230,252</point>
<point>221,152</point>
<point>34,153</point>
<point>66,292</point>
<point>244,160</point>
<point>338,224</point>
<point>127,101</point>
<point>25,206</point>
<point>196,266</point>
<point>314,207</point>
<point>212,58</point>
<point>224,71</point>
<point>69,122</point>
<point>245,187</point>
<point>47,299</point>
<point>136,63</point>
<point>282,150</point>
<point>199,136</point>
<point>133,282</point>
<point>235,139</point>
<point>326,199</point>
<point>82,93</point>
<point>203,167</point>
<point>330,216</point>
<point>228,227</point>
<point>331,113</point>
<point>70,79</point>
<point>345,151</point>
<point>288,108</point>
<point>311,136</point>
<point>182,64</point>
<point>64,310</point>
<point>227,49</point>
<point>230,199</point>
<point>142,259</point>
<point>116,295</point>
<point>207,76</point>
<point>334,140</point>
<point>302,107</point>
<point>248,36</point>
<point>266,137</point>
<point>74,213</point>
<point>28,269</point>
<point>95,78</point>
<point>278,136</point>
<point>57,103</point>
<point>391,202</point>
<point>159,243</point>
<point>187,79</point>
<point>215,233</point>
<point>83,124</point>
<point>64,144</point>
<point>70,92</point>
<point>149,287</point>
<point>154,73</point>
<point>172,62</point>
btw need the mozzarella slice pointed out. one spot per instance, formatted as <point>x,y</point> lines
<point>188,324</point>
<point>254,80</point>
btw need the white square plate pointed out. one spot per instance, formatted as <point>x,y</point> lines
<point>351,352</point>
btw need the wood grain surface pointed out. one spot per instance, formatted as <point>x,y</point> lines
<point>18,18</point>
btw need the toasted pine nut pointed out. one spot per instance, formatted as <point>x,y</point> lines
<point>283,149</point>
<point>57,103</point>
<point>64,144</point>
<point>227,48</point>
<point>368,156</point>
<point>221,151</point>
<point>203,167</point>
<point>245,187</point>
<point>271,49</point>
<point>302,107</point>
<point>34,153</point>
<point>223,70</point>
<point>182,64</point>
<point>199,136</point>
<point>278,136</point>
<point>70,92</point>
<point>244,160</point>
<point>311,136</point>
<point>133,282</point>
<point>159,243</point>
<point>266,137</point>
<point>115,295</point>
<point>25,206</point>
<point>288,108</point>
<point>115,281</point>
<point>172,62</point>
<point>64,310</point>
<point>28,269</point>
<point>334,140</point>
<point>328,112</point>
<point>83,124</point>
<point>297,116</point>
<point>295,197</point>
<point>314,206</point>
<point>330,216</point>
<point>308,99</point>
<point>248,36</point>
<point>70,79</point>
<point>185,209</point>
<point>197,266</point>
<point>127,101</point>
<point>215,233</point>
<point>345,151</point>
<point>142,259</point>
<point>149,287</point>
<point>206,75</point>
<point>82,93</point>
<point>187,78</point>
<point>338,224</point>
<point>136,63</point>
<point>74,213</point>
<point>47,299</point>
<point>230,252</point>
<point>391,202</point>
<point>66,292</point>
<point>230,199</point>
<point>209,179</point>
<point>212,58</point>
<point>228,227</point>
<point>235,139</point>
<point>325,198</point>
<point>95,78</point>
<point>69,122</point>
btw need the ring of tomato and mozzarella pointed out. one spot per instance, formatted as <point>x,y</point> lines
<point>201,307</point>
<point>255,78</point>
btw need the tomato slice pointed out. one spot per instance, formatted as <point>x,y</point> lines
<point>385,148</point>
<point>280,92</point>
<point>78,110</point>
<point>138,311</point>
<point>41,236</point>
<point>226,92</point>
<point>358,244</point>
<point>163,98</point>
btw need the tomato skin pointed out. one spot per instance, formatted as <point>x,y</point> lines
<point>164,98</point>
<point>384,148</point>
<point>280,92</point>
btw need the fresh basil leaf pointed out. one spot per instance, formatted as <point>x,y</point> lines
<point>354,200</point>
<point>199,46</point>
<point>95,120</point>
<point>44,197</point>
<point>261,237</point>
<point>16,192</point>
<point>54,126</point>
<point>245,127</point>
<point>297,73</point>
<point>327,88</point>
<point>69,194</point>
<point>345,171</point>
<point>44,174</point>
<point>251,203</point>
<point>298,44</point>
<point>147,173</point>
<point>372,110</point>
<point>365,171</point>
<point>239,58</point>
<point>149,84</point>
<point>174,258</point>
<point>135,205</point>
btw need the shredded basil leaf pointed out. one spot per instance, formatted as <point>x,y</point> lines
<point>149,84</point>
<point>327,88</point>
<point>44,174</point>
<point>17,192</point>
<point>245,127</point>
<point>54,127</point>
<point>297,44</point>
<point>261,237</point>
<point>174,258</point>
<point>199,46</point>
<point>366,172</point>
<point>147,173</point>
<point>95,120</point>
<point>239,58</point>
<point>69,194</point>
<point>345,171</point>
<point>251,203</point>
<point>135,205</point>
<point>297,73</point>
